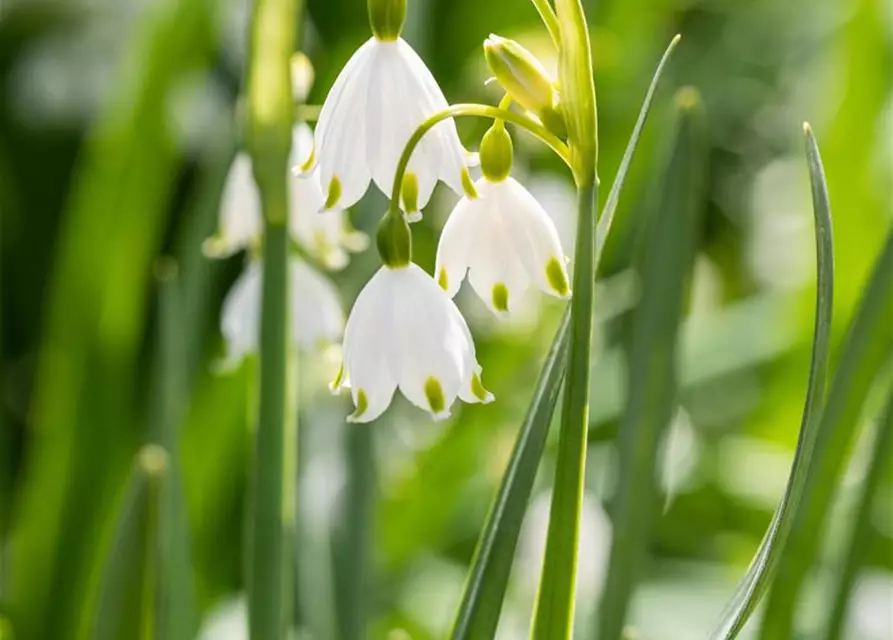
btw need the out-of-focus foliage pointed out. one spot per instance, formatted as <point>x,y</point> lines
<point>408,495</point>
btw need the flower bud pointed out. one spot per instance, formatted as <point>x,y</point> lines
<point>386,17</point>
<point>525,80</point>
<point>496,153</point>
<point>394,240</point>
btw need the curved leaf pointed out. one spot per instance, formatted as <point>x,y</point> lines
<point>762,567</point>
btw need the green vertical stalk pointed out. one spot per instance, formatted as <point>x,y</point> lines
<point>861,535</point>
<point>554,613</point>
<point>270,115</point>
<point>669,255</point>
<point>352,602</point>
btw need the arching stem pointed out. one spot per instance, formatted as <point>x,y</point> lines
<point>480,110</point>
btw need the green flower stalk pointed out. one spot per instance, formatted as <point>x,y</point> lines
<point>269,127</point>
<point>553,617</point>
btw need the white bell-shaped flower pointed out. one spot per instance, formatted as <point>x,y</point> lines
<point>315,313</point>
<point>503,238</point>
<point>380,97</point>
<point>405,332</point>
<point>327,237</point>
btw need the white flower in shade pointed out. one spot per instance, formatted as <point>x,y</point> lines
<point>315,313</point>
<point>327,237</point>
<point>404,332</point>
<point>380,97</point>
<point>504,240</point>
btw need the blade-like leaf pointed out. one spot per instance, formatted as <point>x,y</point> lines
<point>128,596</point>
<point>862,524</point>
<point>669,257</point>
<point>478,613</point>
<point>762,567</point>
<point>88,370</point>
<point>865,349</point>
<point>176,595</point>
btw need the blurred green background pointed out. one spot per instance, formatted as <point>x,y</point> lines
<point>118,121</point>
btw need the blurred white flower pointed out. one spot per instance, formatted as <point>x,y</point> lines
<point>315,313</point>
<point>405,332</point>
<point>870,615</point>
<point>325,236</point>
<point>504,240</point>
<point>380,97</point>
<point>227,621</point>
<point>781,247</point>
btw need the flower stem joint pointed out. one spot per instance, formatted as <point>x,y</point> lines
<point>526,81</point>
<point>394,240</point>
<point>386,17</point>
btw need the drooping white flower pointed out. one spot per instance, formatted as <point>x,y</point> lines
<point>380,97</point>
<point>405,332</point>
<point>327,237</point>
<point>504,240</point>
<point>315,313</point>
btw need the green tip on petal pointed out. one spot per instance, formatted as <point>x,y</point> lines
<point>308,164</point>
<point>409,192</point>
<point>557,277</point>
<point>500,297</point>
<point>468,184</point>
<point>442,279</point>
<point>434,394</point>
<point>362,405</point>
<point>478,390</point>
<point>335,385</point>
<point>334,194</point>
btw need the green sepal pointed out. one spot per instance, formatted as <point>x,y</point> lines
<point>394,240</point>
<point>386,18</point>
<point>496,153</point>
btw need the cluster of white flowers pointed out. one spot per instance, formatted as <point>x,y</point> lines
<point>404,330</point>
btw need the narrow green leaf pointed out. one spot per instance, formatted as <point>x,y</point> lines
<point>862,523</point>
<point>762,567</point>
<point>176,591</point>
<point>669,257</point>
<point>127,602</point>
<point>88,372</point>
<point>478,613</point>
<point>865,349</point>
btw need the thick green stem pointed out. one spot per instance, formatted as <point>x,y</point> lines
<point>481,110</point>
<point>270,118</point>
<point>555,603</point>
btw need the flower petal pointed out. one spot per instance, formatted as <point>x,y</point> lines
<point>368,343</point>
<point>495,271</point>
<point>457,243</point>
<point>240,316</point>
<point>535,238</point>
<point>240,214</point>
<point>434,342</point>
<point>341,133</point>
